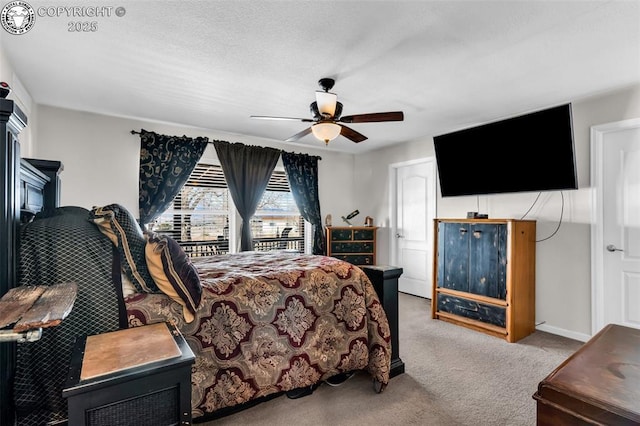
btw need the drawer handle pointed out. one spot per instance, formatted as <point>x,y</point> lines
<point>463,231</point>
<point>469,309</point>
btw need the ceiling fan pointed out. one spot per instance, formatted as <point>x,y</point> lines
<point>327,117</point>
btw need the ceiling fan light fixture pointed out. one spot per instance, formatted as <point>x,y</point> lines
<point>326,103</point>
<point>326,131</point>
<point>326,113</point>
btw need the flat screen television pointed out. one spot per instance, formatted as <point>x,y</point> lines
<point>528,153</point>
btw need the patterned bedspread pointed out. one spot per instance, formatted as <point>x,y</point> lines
<point>272,322</point>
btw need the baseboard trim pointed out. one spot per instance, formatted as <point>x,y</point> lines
<point>582,337</point>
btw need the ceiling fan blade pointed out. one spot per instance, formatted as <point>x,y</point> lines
<point>352,134</point>
<point>299,135</point>
<point>268,117</point>
<point>373,117</point>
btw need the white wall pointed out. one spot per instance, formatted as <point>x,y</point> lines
<point>101,158</point>
<point>563,271</point>
<point>23,100</point>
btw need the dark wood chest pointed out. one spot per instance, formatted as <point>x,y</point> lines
<point>599,384</point>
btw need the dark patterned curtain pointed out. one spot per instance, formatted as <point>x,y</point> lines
<point>302,172</point>
<point>165,165</point>
<point>247,170</point>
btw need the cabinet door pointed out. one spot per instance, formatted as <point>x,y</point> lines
<point>453,256</point>
<point>487,259</point>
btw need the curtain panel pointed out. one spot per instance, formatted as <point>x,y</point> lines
<point>247,170</point>
<point>302,172</point>
<point>166,162</point>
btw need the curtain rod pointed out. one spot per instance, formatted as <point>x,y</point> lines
<point>135,132</point>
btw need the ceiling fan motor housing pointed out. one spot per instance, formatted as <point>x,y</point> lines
<point>326,83</point>
<point>315,112</point>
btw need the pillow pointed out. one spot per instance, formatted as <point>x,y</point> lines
<point>117,223</point>
<point>173,272</point>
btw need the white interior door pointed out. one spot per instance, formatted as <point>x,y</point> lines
<point>616,243</point>
<point>413,210</point>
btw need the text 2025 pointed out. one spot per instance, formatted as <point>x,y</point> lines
<point>82,27</point>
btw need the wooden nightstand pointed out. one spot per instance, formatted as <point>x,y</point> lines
<point>138,376</point>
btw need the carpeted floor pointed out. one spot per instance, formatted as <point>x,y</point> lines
<point>454,376</point>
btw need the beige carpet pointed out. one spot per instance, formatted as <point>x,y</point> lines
<point>454,376</point>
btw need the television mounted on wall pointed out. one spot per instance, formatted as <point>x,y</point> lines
<point>529,153</point>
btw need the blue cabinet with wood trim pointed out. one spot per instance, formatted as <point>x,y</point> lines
<point>484,275</point>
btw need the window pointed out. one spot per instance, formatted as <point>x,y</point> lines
<point>199,216</point>
<point>277,223</point>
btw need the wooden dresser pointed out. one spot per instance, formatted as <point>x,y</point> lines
<point>484,275</point>
<point>598,385</point>
<point>354,244</point>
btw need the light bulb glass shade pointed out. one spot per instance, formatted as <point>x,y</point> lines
<point>326,103</point>
<point>326,131</point>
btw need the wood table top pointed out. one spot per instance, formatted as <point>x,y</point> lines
<point>123,349</point>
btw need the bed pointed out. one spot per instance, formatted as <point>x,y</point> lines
<point>271,322</point>
<point>261,324</point>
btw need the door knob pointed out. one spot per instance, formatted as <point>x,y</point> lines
<point>611,247</point>
<point>399,236</point>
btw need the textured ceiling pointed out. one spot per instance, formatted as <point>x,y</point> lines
<point>212,64</point>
